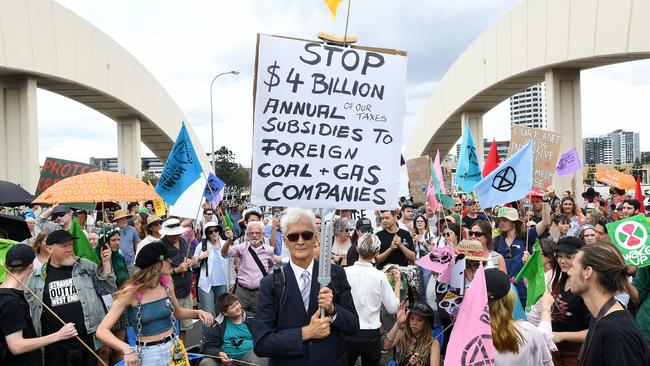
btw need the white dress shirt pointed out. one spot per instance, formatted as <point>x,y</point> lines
<point>370,289</point>
<point>297,271</point>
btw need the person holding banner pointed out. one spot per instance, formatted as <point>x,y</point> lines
<point>289,328</point>
<point>17,334</point>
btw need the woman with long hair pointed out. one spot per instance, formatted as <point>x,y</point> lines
<point>39,249</point>
<point>570,316</point>
<point>412,338</point>
<point>516,342</point>
<point>111,239</point>
<point>422,242</point>
<point>451,233</point>
<point>149,300</point>
<point>573,212</point>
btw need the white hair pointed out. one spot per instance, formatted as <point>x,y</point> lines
<point>295,214</point>
<point>368,245</point>
<point>259,224</point>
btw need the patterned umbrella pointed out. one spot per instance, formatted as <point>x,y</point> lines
<point>100,186</point>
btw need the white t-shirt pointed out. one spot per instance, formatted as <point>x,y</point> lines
<point>533,352</point>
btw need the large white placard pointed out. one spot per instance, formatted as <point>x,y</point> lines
<point>328,125</point>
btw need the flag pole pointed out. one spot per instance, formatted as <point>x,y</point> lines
<point>52,312</point>
<point>347,20</point>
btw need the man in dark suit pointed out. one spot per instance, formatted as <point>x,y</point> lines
<point>296,334</point>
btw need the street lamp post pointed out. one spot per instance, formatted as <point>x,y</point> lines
<point>234,72</point>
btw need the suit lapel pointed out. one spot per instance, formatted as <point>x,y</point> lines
<point>293,290</point>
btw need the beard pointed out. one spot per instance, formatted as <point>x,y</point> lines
<point>68,260</point>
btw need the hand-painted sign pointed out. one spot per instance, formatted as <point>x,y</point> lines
<point>55,170</point>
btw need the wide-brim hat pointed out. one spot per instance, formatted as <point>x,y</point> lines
<point>422,309</point>
<point>172,227</point>
<point>152,219</point>
<point>589,193</point>
<point>472,249</point>
<point>438,260</point>
<point>120,214</point>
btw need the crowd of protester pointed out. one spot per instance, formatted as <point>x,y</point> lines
<point>250,276</point>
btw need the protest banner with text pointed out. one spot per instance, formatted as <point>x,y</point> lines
<point>55,170</point>
<point>328,125</point>
<point>546,149</point>
<point>419,170</point>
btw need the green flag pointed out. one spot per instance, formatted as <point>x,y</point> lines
<point>445,200</point>
<point>533,271</point>
<point>5,244</point>
<point>631,237</point>
<point>228,221</point>
<point>82,246</point>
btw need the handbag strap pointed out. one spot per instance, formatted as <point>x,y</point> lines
<point>257,260</point>
<point>584,350</point>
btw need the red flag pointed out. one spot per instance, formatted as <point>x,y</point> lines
<point>492,161</point>
<point>638,195</point>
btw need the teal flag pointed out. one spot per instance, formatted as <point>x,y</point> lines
<point>468,172</point>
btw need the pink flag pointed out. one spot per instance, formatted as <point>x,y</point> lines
<point>471,338</point>
<point>438,171</point>
<point>431,196</point>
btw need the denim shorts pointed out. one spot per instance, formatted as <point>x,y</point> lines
<point>157,355</point>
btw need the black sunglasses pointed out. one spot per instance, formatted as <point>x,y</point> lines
<point>306,235</point>
<point>57,215</point>
<point>447,235</point>
<point>210,232</point>
<point>476,234</point>
<point>208,214</point>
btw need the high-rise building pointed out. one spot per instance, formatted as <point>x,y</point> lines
<point>625,146</point>
<point>615,147</point>
<point>597,150</point>
<point>528,107</point>
<point>502,149</point>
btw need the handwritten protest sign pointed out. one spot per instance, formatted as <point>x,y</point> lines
<point>546,148</point>
<point>55,170</point>
<point>419,170</point>
<point>328,125</point>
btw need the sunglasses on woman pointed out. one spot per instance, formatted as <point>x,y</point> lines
<point>476,234</point>
<point>306,235</point>
<point>210,232</point>
<point>447,234</point>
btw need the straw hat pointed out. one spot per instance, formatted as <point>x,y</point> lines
<point>119,214</point>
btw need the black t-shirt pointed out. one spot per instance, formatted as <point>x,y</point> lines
<point>617,341</point>
<point>396,256</point>
<point>182,281</point>
<point>569,313</point>
<point>14,317</point>
<point>60,294</point>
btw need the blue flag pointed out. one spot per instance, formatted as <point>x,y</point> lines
<point>181,171</point>
<point>213,186</point>
<point>468,172</point>
<point>511,181</point>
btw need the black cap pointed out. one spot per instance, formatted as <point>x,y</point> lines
<point>60,209</point>
<point>59,237</point>
<point>497,283</point>
<point>154,252</point>
<point>422,309</point>
<point>568,244</point>
<point>19,255</point>
<point>364,223</point>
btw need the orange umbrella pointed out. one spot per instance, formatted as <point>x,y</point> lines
<point>615,179</point>
<point>100,186</point>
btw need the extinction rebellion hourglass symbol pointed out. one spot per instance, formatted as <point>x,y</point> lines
<point>505,179</point>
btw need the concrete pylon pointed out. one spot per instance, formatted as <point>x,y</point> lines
<point>564,116</point>
<point>128,146</point>
<point>475,120</point>
<point>19,131</point>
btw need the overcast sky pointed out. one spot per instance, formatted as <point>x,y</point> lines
<point>185,43</point>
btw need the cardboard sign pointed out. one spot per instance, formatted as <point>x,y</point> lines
<point>546,148</point>
<point>55,170</point>
<point>328,125</point>
<point>419,170</point>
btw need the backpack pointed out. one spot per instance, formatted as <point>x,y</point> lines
<point>277,292</point>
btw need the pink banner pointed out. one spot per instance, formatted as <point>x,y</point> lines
<point>471,338</point>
